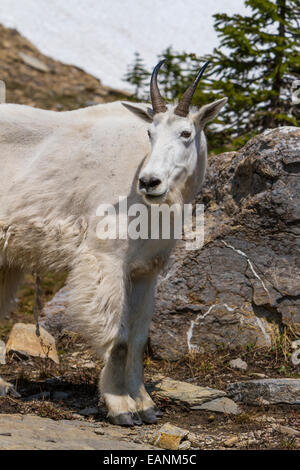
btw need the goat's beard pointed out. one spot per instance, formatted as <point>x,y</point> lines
<point>170,197</point>
<point>174,196</point>
<point>149,200</point>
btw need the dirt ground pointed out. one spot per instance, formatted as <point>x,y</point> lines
<point>41,381</point>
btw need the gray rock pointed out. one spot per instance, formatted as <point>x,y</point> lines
<point>231,442</point>
<point>183,392</point>
<point>286,430</point>
<point>27,432</point>
<point>89,365</point>
<point>34,62</point>
<point>239,288</point>
<point>53,316</point>
<point>238,364</point>
<point>185,445</point>
<point>266,391</point>
<point>2,352</point>
<point>220,405</point>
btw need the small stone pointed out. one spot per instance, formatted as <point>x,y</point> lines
<point>231,442</point>
<point>89,365</point>
<point>169,437</point>
<point>238,364</point>
<point>258,375</point>
<point>286,430</point>
<point>270,419</point>
<point>221,405</point>
<point>2,352</point>
<point>251,442</point>
<point>23,340</point>
<point>171,429</point>
<point>34,62</point>
<point>194,439</point>
<point>185,445</point>
<point>167,441</point>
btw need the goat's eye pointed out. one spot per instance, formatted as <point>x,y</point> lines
<point>185,134</point>
<point>149,134</point>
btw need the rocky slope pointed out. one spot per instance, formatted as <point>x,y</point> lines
<point>36,80</point>
<point>243,286</point>
<point>240,289</point>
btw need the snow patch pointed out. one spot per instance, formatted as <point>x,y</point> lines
<point>101,36</point>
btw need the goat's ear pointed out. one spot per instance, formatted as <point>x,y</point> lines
<point>208,112</point>
<point>142,110</point>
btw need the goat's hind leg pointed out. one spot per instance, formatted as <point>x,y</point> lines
<point>10,279</point>
<point>7,389</point>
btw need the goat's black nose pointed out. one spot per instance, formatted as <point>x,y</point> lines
<point>149,183</point>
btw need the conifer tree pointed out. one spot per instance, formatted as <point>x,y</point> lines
<point>137,75</point>
<point>256,65</point>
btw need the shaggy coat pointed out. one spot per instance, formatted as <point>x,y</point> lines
<point>56,169</point>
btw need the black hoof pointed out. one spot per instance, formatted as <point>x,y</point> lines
<point>150,416</point>
<point>158,413</point>
<point>123,419</point>
<point>137,420</point>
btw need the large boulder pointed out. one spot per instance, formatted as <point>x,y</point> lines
<point>266,391</point>
<point>243,285</point>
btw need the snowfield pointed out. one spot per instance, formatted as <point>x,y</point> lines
<point>101,36</point>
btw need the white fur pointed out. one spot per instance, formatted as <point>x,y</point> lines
<point>56,168</point>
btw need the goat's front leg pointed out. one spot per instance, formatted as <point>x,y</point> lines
<point>141,305</point>
<point>122,379</point>
<point>99,306</point>
<point>115,317</point>
<point>113,385</point>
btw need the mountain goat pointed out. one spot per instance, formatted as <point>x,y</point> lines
<point>56,169</point>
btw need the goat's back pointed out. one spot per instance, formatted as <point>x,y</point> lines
<point>67,162</point>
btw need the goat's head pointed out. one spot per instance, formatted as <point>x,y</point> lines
<point>174,133</point>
